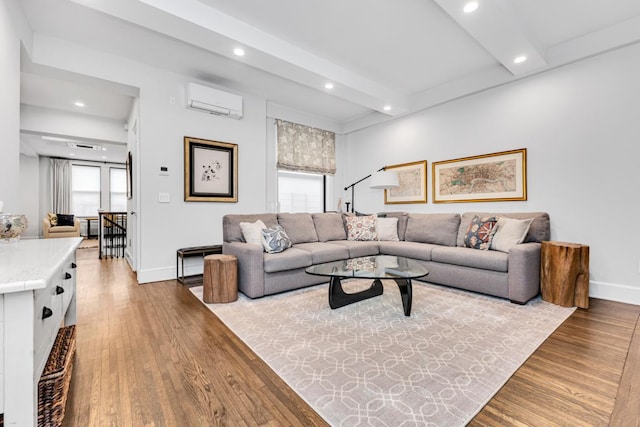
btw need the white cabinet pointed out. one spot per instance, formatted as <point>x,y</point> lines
<point>37,290</point>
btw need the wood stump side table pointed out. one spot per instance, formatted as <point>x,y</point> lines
<point>564,274</point>
<point>220,281</point>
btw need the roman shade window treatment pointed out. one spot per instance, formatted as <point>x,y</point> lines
<point>305,149</point>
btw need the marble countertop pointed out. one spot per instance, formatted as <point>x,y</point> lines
<point>29,263</point>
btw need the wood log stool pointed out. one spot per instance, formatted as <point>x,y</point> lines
<point>220,281</point>
<point>564,274</point>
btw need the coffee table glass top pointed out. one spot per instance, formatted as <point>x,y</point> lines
<point>371,267</point>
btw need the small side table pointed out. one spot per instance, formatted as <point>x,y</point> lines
<point>564,274</point>
<point>220,281</point>
<point>89,220</point>
<point>201,251</point>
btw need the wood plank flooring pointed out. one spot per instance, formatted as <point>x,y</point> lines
<point>153,355</point>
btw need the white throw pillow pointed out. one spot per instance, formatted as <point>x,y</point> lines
<point>509,233</point>
<point>387,229</point>
<point>252,231</point>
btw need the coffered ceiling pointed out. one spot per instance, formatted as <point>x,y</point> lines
<point>406,55</point>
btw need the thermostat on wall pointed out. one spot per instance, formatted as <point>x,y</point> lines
<point>164,171</point>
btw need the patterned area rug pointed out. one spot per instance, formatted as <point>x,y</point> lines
<point>368,364</point>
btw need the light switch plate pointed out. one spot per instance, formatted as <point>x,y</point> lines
<point>164,198</point>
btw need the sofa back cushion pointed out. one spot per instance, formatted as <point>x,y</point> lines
<point>329,226</point>
<point>299,227</point>
<point>231,231</point>
<point>438,229</point>
<point>539,230</point>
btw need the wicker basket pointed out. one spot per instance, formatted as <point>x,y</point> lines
<point>55,379</point>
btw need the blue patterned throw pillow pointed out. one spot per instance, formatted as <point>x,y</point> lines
<point>480,232</point>
<point>275,239</point>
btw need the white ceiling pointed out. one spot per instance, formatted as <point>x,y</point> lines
<point>409,54</point>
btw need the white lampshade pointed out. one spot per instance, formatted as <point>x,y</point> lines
<point>384,179</point>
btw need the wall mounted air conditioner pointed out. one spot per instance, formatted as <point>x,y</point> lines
<point>213,101</point>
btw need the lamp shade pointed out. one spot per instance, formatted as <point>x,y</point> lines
<point>384,179</point>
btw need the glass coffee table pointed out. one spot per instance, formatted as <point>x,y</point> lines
<point>378,267</point>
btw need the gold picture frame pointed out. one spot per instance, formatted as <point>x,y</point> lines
<point>412,178</point>
<point>210,171</point>
<point>495,177</point>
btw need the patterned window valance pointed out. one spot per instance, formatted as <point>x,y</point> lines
<point>305,149</point>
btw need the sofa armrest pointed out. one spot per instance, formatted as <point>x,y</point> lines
<point>46,226</point>
<point>250,267</point>
<point>524,272</point>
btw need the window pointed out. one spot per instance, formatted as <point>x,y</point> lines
<point>117,190</point>
<point>85,190</point>
<point>300,192</point>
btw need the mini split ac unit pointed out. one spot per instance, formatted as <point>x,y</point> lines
<point>214,101</point>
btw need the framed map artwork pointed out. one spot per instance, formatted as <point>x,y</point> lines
<point>412,178</point>
<point>492,177</point>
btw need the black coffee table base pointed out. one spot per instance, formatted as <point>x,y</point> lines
<point>339,298</point>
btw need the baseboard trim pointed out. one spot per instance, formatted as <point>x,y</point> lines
<point>166,273</point>
<point>615,292</point>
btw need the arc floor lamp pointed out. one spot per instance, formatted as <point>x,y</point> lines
<point>381,179</point>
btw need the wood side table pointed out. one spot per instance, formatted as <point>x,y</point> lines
<point>564,274</point>
<point>220,281</point>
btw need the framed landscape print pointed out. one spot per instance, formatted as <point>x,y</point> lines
<point>491,177</point>
<point>412,178</point>
<point>210,171</point>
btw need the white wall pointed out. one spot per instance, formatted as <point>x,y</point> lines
<point>57,122</point>
<point>9,110</point>
<point>163,123</point>
<point>580,125</point>
<point>29,187</point>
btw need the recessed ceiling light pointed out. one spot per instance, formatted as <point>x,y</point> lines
<point>470,7</point>
<point>238,51</point>
<point>79,104</point>
<point>72,154</point>
<point>328,85</point>
<point>520,59</point>
<point>104,157</point>
<point>387,107</point>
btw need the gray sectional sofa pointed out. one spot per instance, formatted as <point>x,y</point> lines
<point>436,240</point>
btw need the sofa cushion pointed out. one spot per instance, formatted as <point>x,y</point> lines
<point>361,227</point>
<point>421,251</point>
<point>53,219</point>
<point>275,239</point>
<point>324,252</point>
<point>329,226</point>
<point>65,220</point>
<point>539,231</point>
<point>231,231</point>
<point>359,248</point>
<point>403,217</point>
<point>510,232</point>
<point>467,257</point>
<point>299,227</point>
<point>290,259</point>
<point>480,232</point>
<point>387,229</point>
<point>439,229</point>
<point>252,231</point>
<point>62,229</point>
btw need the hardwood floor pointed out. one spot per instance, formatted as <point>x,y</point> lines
<point>153,355</point>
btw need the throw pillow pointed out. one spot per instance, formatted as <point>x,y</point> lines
<point>387,229</point>
<point>361,227</point>
<point>480,232</point>
<point>275,239</point>
<point>65,220</point>
<point>53,219</point>
<point>252,231</point>
<point>509,233</point>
